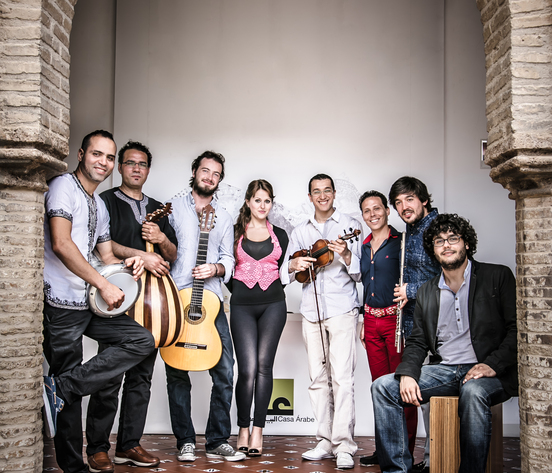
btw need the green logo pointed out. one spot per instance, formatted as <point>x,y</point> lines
<point>281,402</point>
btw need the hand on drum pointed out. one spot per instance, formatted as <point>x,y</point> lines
<point>112,295</point>
<point>155,264</point>
<point>137,265</point>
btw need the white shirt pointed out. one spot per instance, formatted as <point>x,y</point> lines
<point>67,198</point>
<point>336,282</point>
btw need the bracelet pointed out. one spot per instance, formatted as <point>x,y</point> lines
<point>216,270</point>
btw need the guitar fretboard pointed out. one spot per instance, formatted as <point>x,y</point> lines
<point>196,302</point>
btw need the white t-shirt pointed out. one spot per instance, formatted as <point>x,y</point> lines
<point>67,198</point>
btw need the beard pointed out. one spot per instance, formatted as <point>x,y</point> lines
<point>202,191</point>
<point>457,262</point>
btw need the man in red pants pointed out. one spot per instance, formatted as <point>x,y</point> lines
<point>380,267</point>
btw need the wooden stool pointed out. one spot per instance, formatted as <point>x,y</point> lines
<point>444,437</point>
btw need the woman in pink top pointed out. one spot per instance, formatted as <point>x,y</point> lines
<point>257,309</point>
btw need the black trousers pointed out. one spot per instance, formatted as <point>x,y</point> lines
<point>256,331</point>
<point>129,343</point>
<point>102,408</point>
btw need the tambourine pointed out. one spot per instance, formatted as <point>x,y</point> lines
<point>120,276</point>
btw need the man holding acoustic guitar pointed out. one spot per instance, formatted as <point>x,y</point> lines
<point>205,258</point>
<point>127,206</point>
<point>330,314</point>
<point>75,223</point>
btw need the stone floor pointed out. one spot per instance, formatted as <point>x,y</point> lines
<point>279,453</point>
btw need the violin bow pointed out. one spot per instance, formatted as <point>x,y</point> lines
<point>313,280</point>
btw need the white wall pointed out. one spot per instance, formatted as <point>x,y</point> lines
<point>364,90</point>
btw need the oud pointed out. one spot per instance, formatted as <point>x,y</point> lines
<point>199,347</point>
<point>159,308</point>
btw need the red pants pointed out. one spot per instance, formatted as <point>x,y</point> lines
<point>379,337</point>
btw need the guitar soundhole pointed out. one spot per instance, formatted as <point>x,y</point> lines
<point>194,314</point>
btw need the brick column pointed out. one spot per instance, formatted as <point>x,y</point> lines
<point>518,50</point>
<point>34,140</point>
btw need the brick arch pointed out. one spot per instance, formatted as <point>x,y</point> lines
<point>518,54</point>
<point>34,140</point>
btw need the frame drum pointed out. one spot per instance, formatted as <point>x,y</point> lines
<point>120,276</point>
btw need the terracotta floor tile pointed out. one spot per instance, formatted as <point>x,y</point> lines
<point>281,454</point>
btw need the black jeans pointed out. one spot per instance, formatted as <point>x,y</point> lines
<point>102,408</point>
<point>129,343</point>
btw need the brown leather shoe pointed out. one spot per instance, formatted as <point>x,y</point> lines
<point>137,456</point>
<point>100,463</point>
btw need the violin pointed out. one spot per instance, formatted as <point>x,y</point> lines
<point>324,256</point>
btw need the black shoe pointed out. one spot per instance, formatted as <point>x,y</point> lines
<point>420,467</point>
<point>369,460</point>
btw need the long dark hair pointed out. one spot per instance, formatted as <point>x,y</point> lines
<point>244,216</point>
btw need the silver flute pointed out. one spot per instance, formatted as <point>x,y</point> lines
<point>399,331</point>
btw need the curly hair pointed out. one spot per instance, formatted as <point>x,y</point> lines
<point>445,223</point>
<point>244,217</point>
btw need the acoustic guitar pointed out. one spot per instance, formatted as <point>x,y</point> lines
<point>159,308</point>
<point>199,348</point>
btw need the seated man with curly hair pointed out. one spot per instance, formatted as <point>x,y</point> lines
<point>465,317</point>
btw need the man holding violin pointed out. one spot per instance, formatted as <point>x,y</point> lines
<point>330,314</point>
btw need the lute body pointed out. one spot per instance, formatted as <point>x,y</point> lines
<point>159,308</point>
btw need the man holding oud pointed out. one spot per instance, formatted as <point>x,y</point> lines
<point>128,206</point>
<point>330,314</point>
<point>76,222</point>
<point>465,318</point>
<point>380,267</point>
<point>412,201</point>
<point>207,172</point>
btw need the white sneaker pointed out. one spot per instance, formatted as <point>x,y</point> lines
<point>345,461</point>
<point>187,453</point>
<point>317,453</point>
<point>225,452</point>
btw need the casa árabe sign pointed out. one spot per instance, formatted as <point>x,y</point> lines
<point>280,408</point>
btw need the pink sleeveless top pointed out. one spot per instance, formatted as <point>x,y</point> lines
<point>264,271</point>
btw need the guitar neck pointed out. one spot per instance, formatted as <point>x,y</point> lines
<point>198,284</point>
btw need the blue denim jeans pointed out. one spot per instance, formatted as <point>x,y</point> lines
<point>474,409</point>
<point>179,389</point>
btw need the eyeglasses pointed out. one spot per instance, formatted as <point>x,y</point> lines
<point>133,164</point>
<point>452,240</point>
<point>317,192</point>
